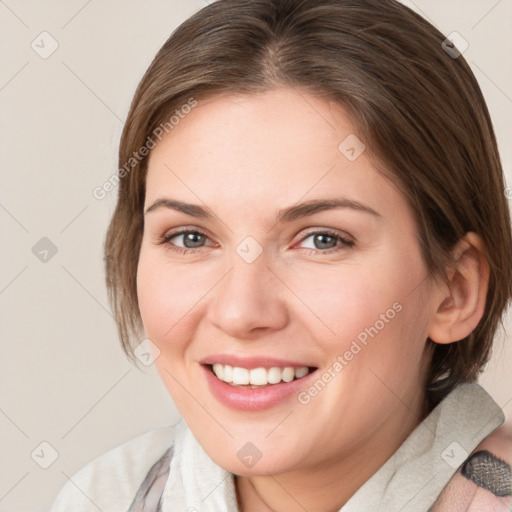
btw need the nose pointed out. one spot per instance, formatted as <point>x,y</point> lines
<point>248,301</point>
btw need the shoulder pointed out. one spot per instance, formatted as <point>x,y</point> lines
<point>110,481</point>
<point>484,481</point>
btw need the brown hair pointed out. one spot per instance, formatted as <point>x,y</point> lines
<point>418,109</point>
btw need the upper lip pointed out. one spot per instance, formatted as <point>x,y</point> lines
<point>251,362</point>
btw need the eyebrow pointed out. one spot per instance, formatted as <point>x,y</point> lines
<point>289,214</point>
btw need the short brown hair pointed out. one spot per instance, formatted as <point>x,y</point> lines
<point>418,109</point>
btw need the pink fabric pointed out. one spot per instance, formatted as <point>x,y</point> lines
<point>464,495</point>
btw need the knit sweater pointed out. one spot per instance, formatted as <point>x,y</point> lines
<point>458,459</point>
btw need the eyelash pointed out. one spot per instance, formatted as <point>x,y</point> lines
<point>344,242</point>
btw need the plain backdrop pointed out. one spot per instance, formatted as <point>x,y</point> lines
<point>64,380</point>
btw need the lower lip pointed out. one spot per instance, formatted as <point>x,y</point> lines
<point>249,399</point>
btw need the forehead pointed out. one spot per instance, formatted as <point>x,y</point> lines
<point>283,122</point>
<point>265,150</point>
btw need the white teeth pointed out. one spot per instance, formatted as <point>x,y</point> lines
<point>218,369</point>
<point>227,373</point>
<point>301,372</point>
<point>238,376</point>
<point>258,376</point>
<point>288,374</point>
<point>274,375</point>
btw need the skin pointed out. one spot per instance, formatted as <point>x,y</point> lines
<point>245,157</point>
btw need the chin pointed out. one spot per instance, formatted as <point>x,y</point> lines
<point>246,459</point>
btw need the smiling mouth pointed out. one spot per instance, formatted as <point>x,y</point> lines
<point>258,377</point>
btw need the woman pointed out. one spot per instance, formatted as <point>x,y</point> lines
<point>312,237</point>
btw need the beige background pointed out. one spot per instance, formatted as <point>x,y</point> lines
<point>63,377</point>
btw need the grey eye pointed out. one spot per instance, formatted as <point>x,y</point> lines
<point>321,241</point>
<point>191,239</point>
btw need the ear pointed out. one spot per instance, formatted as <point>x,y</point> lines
<point>460,303</point>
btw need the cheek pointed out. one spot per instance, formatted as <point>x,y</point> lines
<point>336,304</point>
<point>355,300</point>
<point>165,295</point>
<point>374,314</point>
<point>384,323</point>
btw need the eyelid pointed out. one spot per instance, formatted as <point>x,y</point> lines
<point>182,230</point>
<point>346,241</point>
<point>328,231</point>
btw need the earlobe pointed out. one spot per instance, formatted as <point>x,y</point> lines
<point>461,301</point>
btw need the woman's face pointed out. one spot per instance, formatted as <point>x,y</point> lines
<point>270,277</point>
